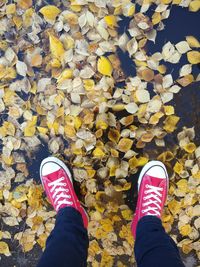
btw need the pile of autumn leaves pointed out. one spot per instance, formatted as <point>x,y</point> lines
<point>102,146</point>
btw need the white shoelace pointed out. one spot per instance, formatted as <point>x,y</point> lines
<point>153,197</point>
<point>59,193</point>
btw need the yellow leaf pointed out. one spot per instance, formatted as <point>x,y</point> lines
<point>174,206</point>
<point>169,110</point>
<point>193,57</point>
<point>176,2</point>
<point>128,9</point>
<point>111,21</point>
<point>186,80</point>
<point>106,259</point>
<point>118,107</point>
<point>133,162</point>
<point>166,2</point>
<point>66,74</point>
<point>29,131</point>
<point>42,240</point>
<point>142,161</point>
<point>7,160</point>
<point>4,249</point>
<point>125,144</point>
<point>194,6</point>
<point>190,148</point>
<point>89,84</point>
<point>100,124</point>
<point>56,47</point>
<point>24,4</point>
<point>182,185</point>
<point>162,69</point>
<point>77,122</point>
<point>166,156</point>
<point>104,66</point>
<point>156,18</point>
<point>69,131</point>
<point>10,9</point>
<point>94,248</point>
<point>55,63</point>
<point>192,41</point>
<point>10,128</point>
<point>91,173</point>
<point>170,123</point>
<point>185,230</point>
<point>98,153</point>
<point>178,168</point>
<point>60,112</point>
<point>76,8</point>
<point>147,137</point>
<point>127,214</point>
<point>50,12</point>
<point>114,135</point>
<point>42,130</point>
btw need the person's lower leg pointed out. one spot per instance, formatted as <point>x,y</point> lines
<point>67,245</point>
<point>153,246</point>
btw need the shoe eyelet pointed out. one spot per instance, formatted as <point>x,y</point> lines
<point>144,198</point>
<point>64,184</point>
<point>147,186</point>
<point>145,192</point>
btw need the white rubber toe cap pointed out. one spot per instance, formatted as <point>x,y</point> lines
<point>49,168</point>
<point>157,171</point>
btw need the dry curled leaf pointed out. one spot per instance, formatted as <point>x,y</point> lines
<point>125,144</point>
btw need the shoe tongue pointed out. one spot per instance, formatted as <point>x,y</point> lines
<point>156,181</point>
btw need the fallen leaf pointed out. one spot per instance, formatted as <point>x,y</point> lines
<point>192,41</point>
<point>50,12</point>
<point>147,75</point>
<point>193,57</point>
<point>190,148</point>
<point>56,47</point>
<point>142,96</point>
<point>194,6</point>
<point>182,47</point>
<point>21,68</point>
<point>111,21</point>
<point>4,249</point>
<point>125,144</point>
<point>104,66</point>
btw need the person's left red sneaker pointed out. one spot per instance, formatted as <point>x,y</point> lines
<point>152,192</point>
<point>57,181</point>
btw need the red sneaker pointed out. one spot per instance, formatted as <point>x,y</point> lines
<point>152,192</point>
<point>57,182</point>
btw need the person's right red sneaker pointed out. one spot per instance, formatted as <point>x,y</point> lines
<point>152,192</point>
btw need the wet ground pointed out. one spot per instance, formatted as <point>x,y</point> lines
<point>187,105</point>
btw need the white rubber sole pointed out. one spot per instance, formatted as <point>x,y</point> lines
<point>58,162</point>
<point>150,165</point>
